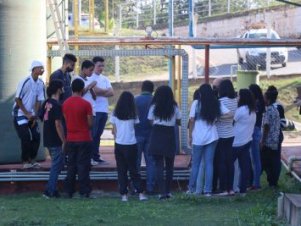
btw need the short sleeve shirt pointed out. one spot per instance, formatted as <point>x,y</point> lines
<point>272,119</point>
<point>29,91</point>
<point>157,121</point>
<point>101,103</point>
<point>76,111</point>
<point>125,130</point>
<point>52,112</point>
<point>66,79</point>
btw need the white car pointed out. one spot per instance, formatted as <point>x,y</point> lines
<point>84,23</point>
<point>257,56</point>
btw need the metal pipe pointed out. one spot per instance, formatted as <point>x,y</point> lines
<point>236,42</point>
<point>207,56</point>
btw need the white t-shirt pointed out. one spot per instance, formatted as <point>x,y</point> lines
<point>29,91</point>
<point>244,123</point>
<point>157,121</point>
<point>225,125</point>
<point>101,103</point>
<point>87,96</point>
<point>125,130</point>
<point>204,133</point>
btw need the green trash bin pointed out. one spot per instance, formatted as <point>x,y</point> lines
<point>246,78</point>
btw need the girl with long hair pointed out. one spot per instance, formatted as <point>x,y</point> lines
<point>203,135</point>
<point>223,152</point>
<point>244,122</point>
<point>164,114</point>
<point>255,147</point>
<point>123,120</point>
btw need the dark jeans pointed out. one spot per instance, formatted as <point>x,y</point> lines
<point>126,160</point>
<point>30,140</point>
<point>271,164</point>
<point>164,184</point>
<point>143,143</point>
<point>57,163</point>
<point>99,123</point>
<point>225,164</point>
<point>79,154</point>
<point>242,153</point>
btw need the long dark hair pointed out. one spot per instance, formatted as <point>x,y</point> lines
<point>164,103</point>
<point>246,99</point>
<point>226,89</point>
<point>257,92</point>
<point>125,108</point>
<point>209,104</point>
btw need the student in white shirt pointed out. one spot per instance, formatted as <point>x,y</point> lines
<point>203,135</point>
<point>164,114</point>
<point>103,91</point>
<point>244,122</point>
<point>29,96</point>
<point>124,119</point>
<point>87,68</point>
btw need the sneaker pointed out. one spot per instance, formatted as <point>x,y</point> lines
<point>56,194</point>
<point>207,194</point>
<point>162,197</point>
<point>189,192</point>
<point>100,160</point>
<point>169,195</point>
<point>224,193</point>
<point>93,162</point>
<point>124,198</point>
<point>231,193</point>
<point>27,165</point>
<point>142,197</point>
<point>36,164</point>
<point>47,195</point>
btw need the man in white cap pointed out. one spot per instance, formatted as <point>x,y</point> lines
<point>29,96</point>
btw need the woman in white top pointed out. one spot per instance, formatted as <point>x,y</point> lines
<point>223,153</point>
<point>203,135</point>
<point>164,114</point>
<point>123,119</point>
<point>244,122</point>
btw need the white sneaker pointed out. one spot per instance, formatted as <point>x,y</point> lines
<point>93,162</point>
<point>27,165</point>
<point>124,198</point>
<point>36,165</point>
<point>142,197</point>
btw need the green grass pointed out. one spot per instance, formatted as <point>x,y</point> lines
<point>257,208</point>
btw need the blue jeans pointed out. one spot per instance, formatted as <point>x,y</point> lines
<point>242,153</point>
<point>99,123</point>
<point>198,151</point>
<point>255,157</point>
<point>143,143</point>
<point>57,163</point>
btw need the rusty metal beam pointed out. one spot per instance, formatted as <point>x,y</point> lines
<point>207,59</point>
<point>236,42</point>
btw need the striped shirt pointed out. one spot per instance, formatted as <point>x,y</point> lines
<point>225,126</point>
<point>29,91</point>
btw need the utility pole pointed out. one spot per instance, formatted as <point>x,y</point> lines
<point>209,8</point>
<point>155,11</point>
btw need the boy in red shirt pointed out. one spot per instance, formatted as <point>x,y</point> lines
<point>78,116</point>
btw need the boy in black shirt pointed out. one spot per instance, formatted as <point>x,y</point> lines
<point>54,138</point>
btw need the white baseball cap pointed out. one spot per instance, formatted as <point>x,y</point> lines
<point>35,64</point>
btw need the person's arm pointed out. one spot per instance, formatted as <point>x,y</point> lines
<point>60,130</point>
<point>191,127</point>
<point>89,87</point>
<point>90,121</point>
<point>20,104</point>
<point>103,92</point>
<point>114,130</point>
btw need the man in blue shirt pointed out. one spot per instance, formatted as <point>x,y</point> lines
<point>142,132</point>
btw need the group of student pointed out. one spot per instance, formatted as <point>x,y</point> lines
<point>223,126</point>
<point>234,138</point>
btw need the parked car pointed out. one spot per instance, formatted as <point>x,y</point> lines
<point>257,56</point>
<point>84,22</point>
